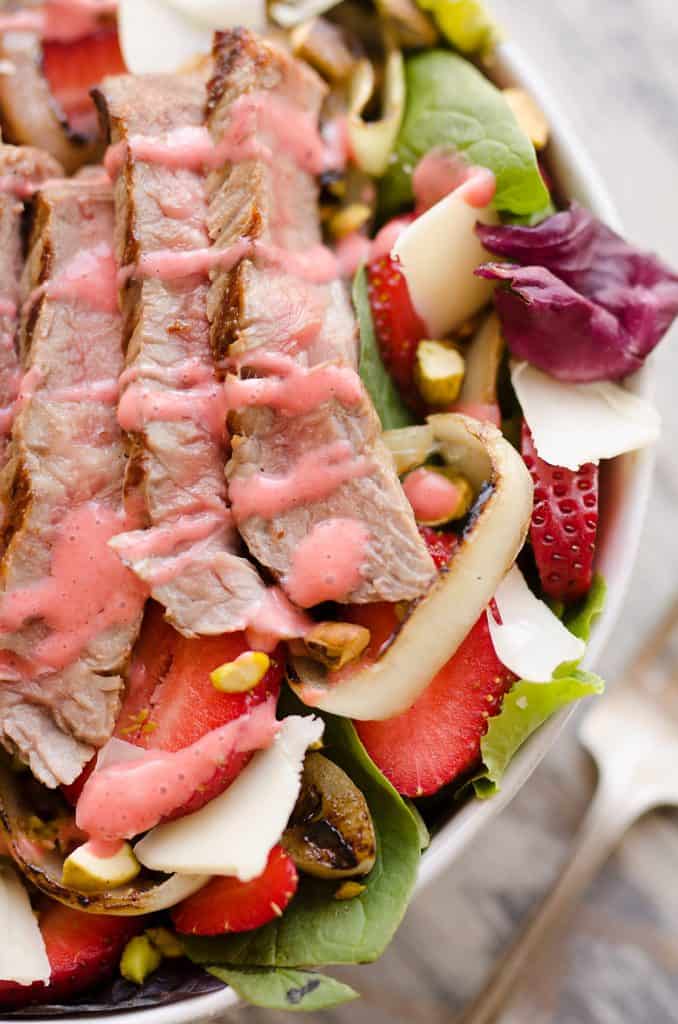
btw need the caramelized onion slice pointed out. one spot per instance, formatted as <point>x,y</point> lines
<point>372,142</point>
<point>438,624</point>
<point>147,895</point>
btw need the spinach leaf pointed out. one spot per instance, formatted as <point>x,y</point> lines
<point>450,103</point>
<point>379,384</point>
<point>316,929</point>
<point>281,989</point>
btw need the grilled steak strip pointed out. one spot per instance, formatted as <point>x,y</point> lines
<point>309,474</point>
<point>28,112</point>
<point>69,609</point>
<point>22,169</point>
<point>172,404</point>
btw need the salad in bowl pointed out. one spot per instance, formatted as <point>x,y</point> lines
<point>309,369</point>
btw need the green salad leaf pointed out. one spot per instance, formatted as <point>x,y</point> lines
<point>283,989</point>
<point>464,23</point>
<point>528,705</point>
<point>580,620</point>
<point>451,103</point>
<point>523,710</point>
<point>380,386</point>
<point>316,929</point>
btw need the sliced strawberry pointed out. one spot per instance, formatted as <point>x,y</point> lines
<point>564,523</point>
<point>441,546</point>
<point>438,739</point>
<point>171,702</point>
<point>83,951</point>
<point>398,327</point>
<point>73,68</point>
<point>227,905</point>
<point>72,792</point>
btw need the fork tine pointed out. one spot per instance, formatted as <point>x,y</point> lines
<point>653,645</point>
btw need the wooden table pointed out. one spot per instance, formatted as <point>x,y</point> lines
<point>614,65</point>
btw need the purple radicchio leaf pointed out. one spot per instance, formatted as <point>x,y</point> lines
<point>580,303</point>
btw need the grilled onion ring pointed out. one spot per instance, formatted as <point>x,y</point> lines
<point>146,895</point>
<point>438,624</point>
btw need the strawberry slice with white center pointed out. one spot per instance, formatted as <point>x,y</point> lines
<point>228,905</point>
<point>564,523</point>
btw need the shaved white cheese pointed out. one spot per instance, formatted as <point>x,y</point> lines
<point>155,37</point>
<point>293,12</point>
<point>531,640</point>
<point>438,253</point>
<point>118,752</point>
<point>217,14</point>
<point>573,424</point>
<point>166,35</point>
<point>23,957</point>
<point>234,833</point>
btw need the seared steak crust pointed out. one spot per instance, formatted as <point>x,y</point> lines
<point>189,553</point>
<point>69,610</point>
<point>276,301</point>
<point>21,170</point>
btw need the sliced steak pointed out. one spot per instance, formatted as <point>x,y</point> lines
<point>28,112</point>
<point>313,489</point>
<point>22,170</point>
<point>172,403</point>
<point>69,609</point>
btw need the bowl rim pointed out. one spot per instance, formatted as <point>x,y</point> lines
<point>574,167</point>
<point>584,183</point>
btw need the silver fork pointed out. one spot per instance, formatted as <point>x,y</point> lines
<point>632,735</point>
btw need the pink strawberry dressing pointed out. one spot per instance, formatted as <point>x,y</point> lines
<point>141,405</point>
<point>253,115</point>
<point>486,412</point>
<point>433,498</point>
<point>125,799</point>
<point>90,278</point>
<point>87,591</point>
<point>327,562</point>
<point>445,170</point>
<point>294,389</point>
<point>315,476</point>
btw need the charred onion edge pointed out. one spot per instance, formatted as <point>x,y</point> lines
<point>147,897</point>
<point>442,619</point>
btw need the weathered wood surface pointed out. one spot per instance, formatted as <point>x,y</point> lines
<point>614,66</point>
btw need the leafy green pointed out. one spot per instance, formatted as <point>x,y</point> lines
<point>464,23</point>
<point>317,929</point>
<point>424,833</point>
<point>381,387</point>
<point>282,989</point>
<point>450,103</point>
<point>528,705</point>
<point>530,220</point>
<point>523,710</point>
<point>580,620</point>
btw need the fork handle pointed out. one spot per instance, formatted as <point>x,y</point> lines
<point>610,814</point>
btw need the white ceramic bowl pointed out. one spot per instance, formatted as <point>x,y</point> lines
<point>626,485</point>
